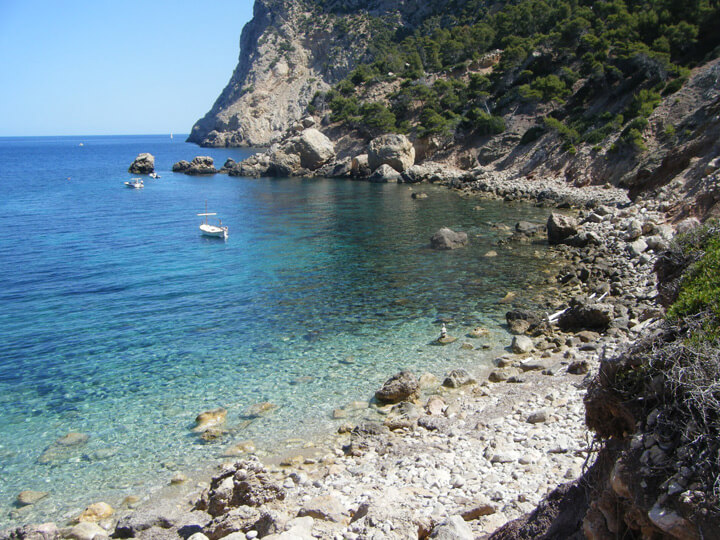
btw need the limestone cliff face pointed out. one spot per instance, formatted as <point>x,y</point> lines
<point>288,51</point>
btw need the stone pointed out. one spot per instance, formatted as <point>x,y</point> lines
<point>201,165</point>
<point>143,164</point>
<point>325,508</point>
<point>519,321</point>
<point>402,386</point>
<point>312,147</point>
<point>178,479</point>
<point>73,439</point>
<point>85,531</point>
<point>392,149</point>
<point>28,497</point>
<point>384,173</point>
<point>454,528</point>
<point>578,367</point>
<point>359,166</point>
<point>96,512</point>
<point>560,228</point>
<point>210,419</point>
<point>537,417</point>
<point>457,378</point>
<point>479,332</point>
<point>633,231</point>
<point>672,524</point>
<point>637,247</point>
<point>404,415</point>
<point>521,344</point>
<point>260,409</point>
<point>586,314</point>
<point>428,380</point>
<point>64,447</point>
<point>527,228</point>
<point>239,448</point>
<point>481,507</point>
<point>43,531</point>
<point>447,340</point>
<point>201,536</point>
<point>446,238</point>
<point>435,406</point>
<point>419,195</point>
<point>229,165</point>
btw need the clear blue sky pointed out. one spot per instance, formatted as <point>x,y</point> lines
<point>71,67</point>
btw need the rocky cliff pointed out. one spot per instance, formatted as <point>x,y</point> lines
<point>288,52</point>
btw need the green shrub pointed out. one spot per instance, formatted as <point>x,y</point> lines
<point>484,123</point>
<point>532,134</point>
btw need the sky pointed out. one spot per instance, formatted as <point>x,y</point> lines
<point>100,67</point>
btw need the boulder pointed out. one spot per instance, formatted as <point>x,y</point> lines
<point>429,172</point>
<point>457,378</point>
<point>402,386</point>
<point>404,415</point>
<point>520,320</point>
<point>85,531</point>
<point>43,531</point>
<point>359,166</point>
<point>521,344</point>
<point>448,239</point>
<point>393,149</point>
<point>282,163</point>
<point>201,165</point>
<point>28,497</point>
<point>560,227</point>
<point>181,166</point>
<point>312,148</point>
<point>687,225</point>
<point>209,419</point>
<point>143,164</point>
<point>245,483</point>
<point>384,173</point>
<point>585,314</point>
<point>96,512</point>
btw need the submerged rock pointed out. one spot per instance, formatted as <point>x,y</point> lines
<point>28,497</point>
<point>446,238</point>
<point>209,419</point>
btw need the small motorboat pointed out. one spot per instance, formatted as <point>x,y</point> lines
<point>135,183</point>
<point>154,175</point>
<point>215,231</point>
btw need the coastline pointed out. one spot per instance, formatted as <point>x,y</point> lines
<point>474,419</point>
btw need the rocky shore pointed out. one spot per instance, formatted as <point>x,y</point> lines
<point>458,455</point>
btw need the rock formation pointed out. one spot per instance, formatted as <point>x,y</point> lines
<point>143,164</point>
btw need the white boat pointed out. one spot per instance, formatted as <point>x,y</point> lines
<point>154,175</point>
<point>135,183</point>
<point>216,231</point>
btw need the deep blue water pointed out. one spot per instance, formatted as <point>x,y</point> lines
<point>120,321</point>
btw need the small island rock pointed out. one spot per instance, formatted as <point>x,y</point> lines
<point>143,164</point>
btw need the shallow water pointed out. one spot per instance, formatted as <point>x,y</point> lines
<point>120,321</point>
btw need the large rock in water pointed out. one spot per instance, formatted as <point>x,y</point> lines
<point>448,239</point>
<point>560,228</point>
<point>394,150</point>
<point>201,165</point>
<point>143,164</point>
<point>402,386</point>
<point>384,173</point>
<point>312,147</point>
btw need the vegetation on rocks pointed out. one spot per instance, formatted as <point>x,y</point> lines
<point>597,68</point>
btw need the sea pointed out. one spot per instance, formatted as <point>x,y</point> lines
<point>119,322</point>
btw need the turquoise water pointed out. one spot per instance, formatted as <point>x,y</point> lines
<point>120,321</point>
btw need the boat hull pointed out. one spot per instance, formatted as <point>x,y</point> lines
<point>133,185</point>
<point>213,231</point>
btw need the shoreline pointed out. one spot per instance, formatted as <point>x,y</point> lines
<point>509,403</point>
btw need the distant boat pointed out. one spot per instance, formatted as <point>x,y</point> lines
<point>171,137</point>
<point>135,183</point>
<point>154,175</point>
<point>81,144</point>
<point>215,231</point>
